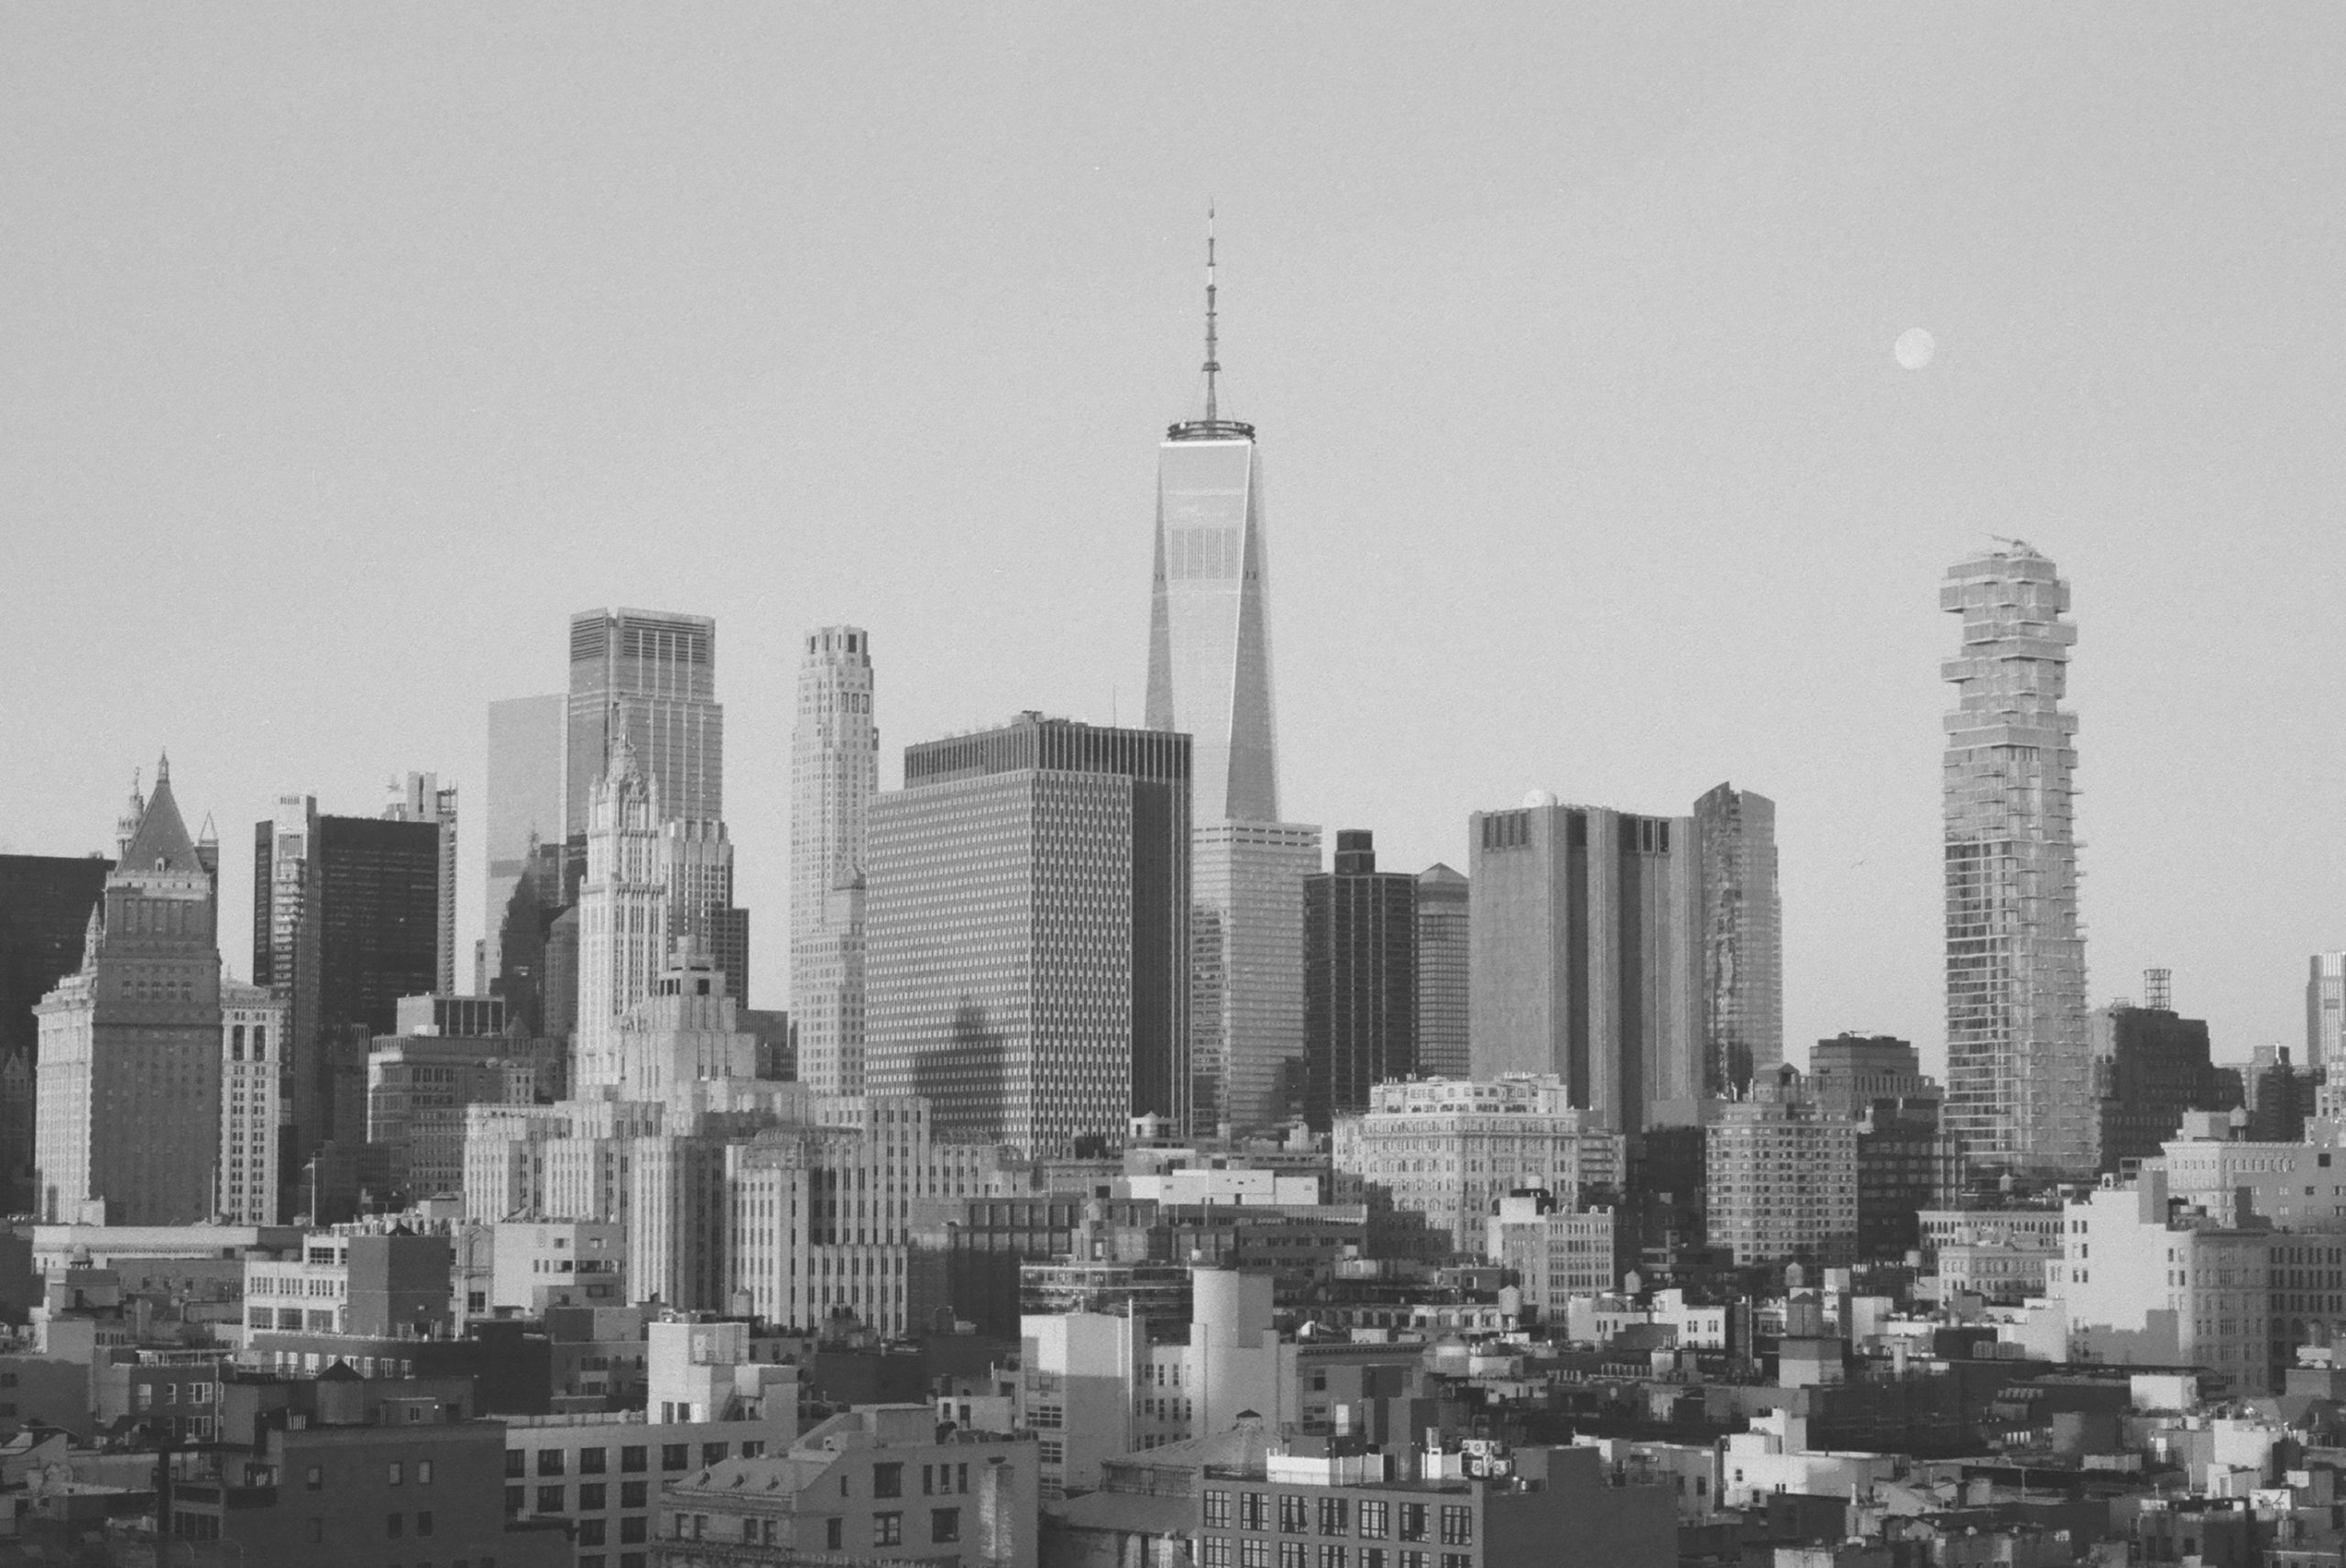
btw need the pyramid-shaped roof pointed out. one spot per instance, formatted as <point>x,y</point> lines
<point>160,841</point>
<point>1438,871</point>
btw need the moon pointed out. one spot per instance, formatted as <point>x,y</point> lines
<point>1915,349</point>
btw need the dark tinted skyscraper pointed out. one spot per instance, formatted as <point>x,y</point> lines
<point>651,677</point>
<point>2150,1066</point>
<point>1444,986</point>
<point>346,922</point>
<point>1743,964</point>
<point>1360,979</point>
<point>1028,927</point>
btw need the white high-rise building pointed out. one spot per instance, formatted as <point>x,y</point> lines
<point>2326,1011</point>
<point>252,1055</point>
<point>2020,1065</point>
<point>419,797</point>
<point>834,773</point>
<point>622,915</point>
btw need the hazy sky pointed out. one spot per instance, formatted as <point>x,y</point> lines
<point>344,351</point>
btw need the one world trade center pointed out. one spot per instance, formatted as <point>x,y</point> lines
<point>1210,674</point>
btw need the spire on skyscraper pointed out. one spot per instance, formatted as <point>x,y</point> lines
<point>1213,427</point>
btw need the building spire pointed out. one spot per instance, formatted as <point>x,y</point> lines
<point>1213,365</point>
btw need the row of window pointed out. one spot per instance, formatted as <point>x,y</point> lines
<point>1335,1515</point>
<point>1221,1552</point>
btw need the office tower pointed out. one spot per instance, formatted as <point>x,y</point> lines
<point>2326,1011</point>
<point>1442,964</point>
<point>1246,1033</point>
<point>700,860</point>
<point>1584,953</point>
<point>1743,963</point>
<point>2151,1064</point>
<point>45,904</point>
<point>1029,922</point>
<point>834,773</point>
<point>1782,1176</point>
<point>2019,1068</point>
<point>1360,979</point>
<point>252,1047</point>
<point>420,798</point>
<point>1210,676</point>
<point>1451,1149</point>
<point>624,912</point>
<point>524,805</point>
<point>649,678</point>
<point>129,1096</point>
<point>1209,630</point>
<point>2281,1095</point>
<point>347,920</point>
<point>1862,1076</point>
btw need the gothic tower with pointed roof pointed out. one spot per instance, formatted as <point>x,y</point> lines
<point>129,1096</point>
<point>622,914</point>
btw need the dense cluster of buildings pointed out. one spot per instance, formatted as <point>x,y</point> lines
<point>1127,1180</point>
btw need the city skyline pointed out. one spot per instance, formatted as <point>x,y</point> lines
<point>2053,413</point>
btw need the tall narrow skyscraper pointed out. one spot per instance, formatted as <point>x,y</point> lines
<point>650,677</point>
<point>1209,631</point>
<point>1210,676</point>
<point>1743,960</point>
<point>834,773</point>
<point>1030,932</point>
<point>623,911</point>
<point>1585,954</point>
<point>524,802</point>
<point>2019,1058</point>
<point>128,1103</point>
<point>419,797</point>
<point>1360,981</point>
<point>1443,987</point>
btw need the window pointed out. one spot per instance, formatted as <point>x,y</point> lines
<point>397,1473</point>
<point>1334,1557</point>
<point>1457,1525</point>
<point>549,1462</point>
<point>590,1498</point>
<point>1255,1552</point>
<point>590,1461</point>
<point>1457,1560</point>
<point>1217,1510</point>
<point>423,1521</point>
<point>631,1494</point>
<point>1373,1518</point>
<point>675,1456</point>
<point>888,1529</point>
<point>313,1479</point>
<point>1291,1554</point>
<point>713,1452</point>
<point>633,1459</point>
<point>549,1500</point>
<point>1292,1512</point>
<point>1413,1521</point>
<point>424,1472</point>
<point>1217,1552</point>
<point>887,1480</point>
<point>517,1464</point>
<point>834,1534</point>
<point>1334,1515</point>
<point>1253,1511</point>
<point>516,1499</point>
<point>633,1530</point>
<point>394,1524</point>
<point>943,1524</point>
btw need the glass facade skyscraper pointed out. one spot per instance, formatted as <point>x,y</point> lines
<point>1246,971</point>
<point>1743,919</point>
<point>2019,1060</point>
<point>1028,932</point>
<point>1442,986</point>
<point>1360,981</point>
<point>650,677</point>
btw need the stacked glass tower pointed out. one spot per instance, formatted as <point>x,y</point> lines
<point>2019,1058</point>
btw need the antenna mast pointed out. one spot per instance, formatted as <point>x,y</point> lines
<point>1213,365</point>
